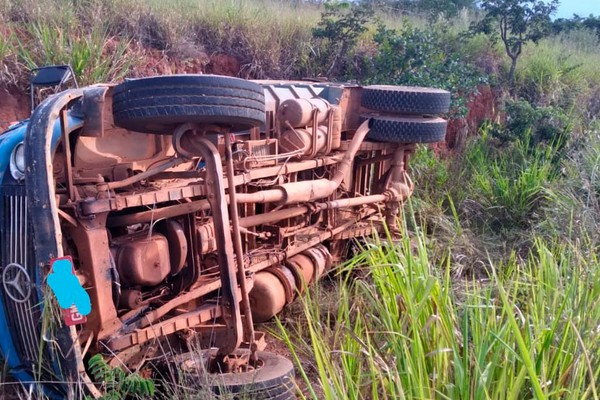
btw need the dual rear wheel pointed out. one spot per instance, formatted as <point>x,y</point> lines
<point>400,114</point>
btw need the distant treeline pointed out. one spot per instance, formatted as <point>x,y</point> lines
<point>449,8</point>
<point>576,23</point>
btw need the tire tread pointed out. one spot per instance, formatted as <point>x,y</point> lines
<point>159,104</point>
<point>393,129</point>
<point>406,99</point>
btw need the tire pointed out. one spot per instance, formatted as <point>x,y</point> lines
<point>405,99</point>
<point>406,129</point>
<point>158,104</point>
<point>275,393</point>
<point>274,380</point>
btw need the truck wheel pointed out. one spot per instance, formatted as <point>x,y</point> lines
<point>405,99</point>
<point>273,380</point>
<point>159,104</point>
<point>406,129</point>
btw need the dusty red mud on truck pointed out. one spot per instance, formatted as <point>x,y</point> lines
<point>192,207</point>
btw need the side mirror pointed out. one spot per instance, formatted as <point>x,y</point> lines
<point>49,80</point>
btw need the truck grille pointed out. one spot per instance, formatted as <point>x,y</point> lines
<point>16,247</point>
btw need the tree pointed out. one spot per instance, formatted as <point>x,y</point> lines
<point>432,8</point>
<point>518,22</point>
<point>423,57</point>
<point>576,23</point>
<point>341,25</point>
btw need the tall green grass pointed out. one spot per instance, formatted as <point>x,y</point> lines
<point>492,198</point>
<point>7,70</point>
<point>512,182</point>
<point>58,36</point>
<point>402,329</point>
<point>563,71</point>
<point>575,206</point>
<point>94,55</point>
<point>269,39</point>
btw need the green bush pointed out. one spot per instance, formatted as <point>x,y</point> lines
<point>342,24</point>
<point>545,125</point>
<point>116,383</point>
<point>493,190</point>
<point>412,56</point>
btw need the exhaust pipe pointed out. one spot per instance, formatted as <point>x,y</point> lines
<point>298,192</point>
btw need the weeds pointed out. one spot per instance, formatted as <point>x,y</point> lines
<point>405,330</point>
<point>94,56</point>
<point>512,189</point>
<point>118,384</point>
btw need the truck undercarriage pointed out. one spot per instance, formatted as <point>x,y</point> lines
<point>192,207</point>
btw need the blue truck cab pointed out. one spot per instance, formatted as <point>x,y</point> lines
<point>20,305</point>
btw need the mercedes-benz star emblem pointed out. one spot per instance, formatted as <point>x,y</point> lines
<point>16,282</point>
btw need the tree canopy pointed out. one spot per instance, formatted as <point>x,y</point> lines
<point>518,22</point>
<point>432,8</point>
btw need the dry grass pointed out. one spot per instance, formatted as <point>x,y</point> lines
<point>104,40</point>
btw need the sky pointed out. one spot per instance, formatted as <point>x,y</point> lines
<point>581,7</point>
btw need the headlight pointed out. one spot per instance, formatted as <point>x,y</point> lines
<point>17,162</point>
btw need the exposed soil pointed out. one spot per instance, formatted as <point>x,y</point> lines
<point>222,64</point>
<point>483,106</point>
<point>158,63</point>
<point>155,62</point>
<point>14,106</point>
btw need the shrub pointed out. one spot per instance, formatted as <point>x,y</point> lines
<point>118,384</point>
<point>545,125</point>
<point>336,35</point>
<point>411,56</point>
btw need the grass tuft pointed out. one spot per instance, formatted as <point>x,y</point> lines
<point>403,329</point>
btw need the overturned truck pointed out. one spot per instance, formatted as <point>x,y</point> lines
<point>190,207</point>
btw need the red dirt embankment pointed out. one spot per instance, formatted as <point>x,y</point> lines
<point>14,106</point>
<point>483,106</point>
<point>155,62</point>
<point>14,102</point>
